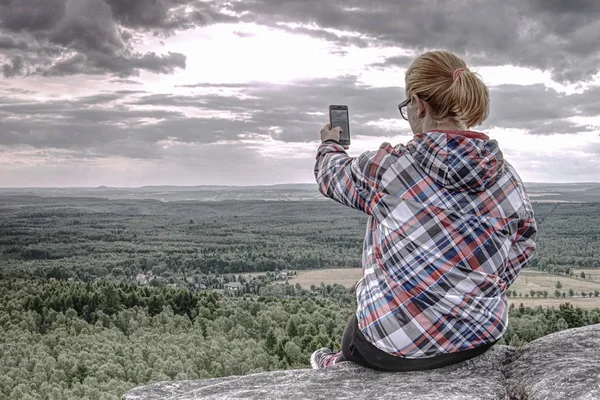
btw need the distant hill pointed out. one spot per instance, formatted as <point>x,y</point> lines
<point>284,192</point>
<point>554,192</point>
<point>539,192</point>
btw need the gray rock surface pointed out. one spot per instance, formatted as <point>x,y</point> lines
<point>478,378</point>
<point>564,365</point>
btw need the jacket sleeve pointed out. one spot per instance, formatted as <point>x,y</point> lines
<point>521,250</point>
<point>347,180</point>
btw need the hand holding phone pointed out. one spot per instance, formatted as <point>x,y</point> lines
<point>338,116</point>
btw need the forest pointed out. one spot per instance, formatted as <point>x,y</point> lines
<point>74,340</point>
<point>77,321</point>
<point>87,238</point>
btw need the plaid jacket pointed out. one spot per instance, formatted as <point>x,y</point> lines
<point>450,227</point>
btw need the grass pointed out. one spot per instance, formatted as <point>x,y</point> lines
<point>342,276</point>
<point>582,302</point>
<point>537,280</point>
<point>590,274</point>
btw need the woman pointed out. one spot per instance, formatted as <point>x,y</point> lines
<point>450,227</point>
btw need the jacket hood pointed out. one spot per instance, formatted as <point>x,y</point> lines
<point>458,160</point>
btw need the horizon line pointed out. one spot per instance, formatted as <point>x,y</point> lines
<point>221,186</point>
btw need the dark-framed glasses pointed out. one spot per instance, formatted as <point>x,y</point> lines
<point>403,108</point>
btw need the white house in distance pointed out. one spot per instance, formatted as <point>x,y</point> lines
<point>233,287</point>
<point>143,279</point>
<point>283,275</point>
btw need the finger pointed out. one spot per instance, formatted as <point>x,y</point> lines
<point>327,126</point>
<point>338,129</point>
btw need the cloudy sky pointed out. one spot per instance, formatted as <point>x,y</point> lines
<point>189,92</point>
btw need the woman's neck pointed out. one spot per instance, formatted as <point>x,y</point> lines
<point>442,127</point>
<point>445,124</point>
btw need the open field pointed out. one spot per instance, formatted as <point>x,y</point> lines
<point>590,274</point>
<point>527,281</point>
<point>537,280</point>
<point>342,276</point>
<point>583,302</point>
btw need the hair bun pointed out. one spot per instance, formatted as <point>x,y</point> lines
<point>466,100</point>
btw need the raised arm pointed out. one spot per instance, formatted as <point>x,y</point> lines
<point>352,181</point>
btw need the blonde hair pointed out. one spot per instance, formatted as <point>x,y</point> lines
<point>451,90</point>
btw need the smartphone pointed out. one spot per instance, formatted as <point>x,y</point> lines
<point>338,116</point>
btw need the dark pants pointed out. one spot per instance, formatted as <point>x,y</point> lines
<point>356,348</point>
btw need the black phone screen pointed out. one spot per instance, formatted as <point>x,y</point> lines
<point>340,118</point>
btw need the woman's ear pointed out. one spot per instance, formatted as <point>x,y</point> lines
<point>419,105</point>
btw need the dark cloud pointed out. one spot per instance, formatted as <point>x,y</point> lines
<point>103,125</point>
<point>395,61</point>
<point>159,63</point>
<point>202,130</point>
<point>100,98</point>
<point>87,26</point>
<point>126,81</point>
<point>68,37</point>
<point>342,40</point>
<point>539,109</point>
<point>560,36</point>
<point>61,37</point>
<point>555,127</point>
<point>142,13</point>
<point>135,124</point>
<point>118,65</point>
<point>12,92</point>
<point>31,15</point>
<point>292,107</point>
<point>14,67</point>
<point>8,42</point>
<point>160,15</point>
<point>567,7</point>
<point>127,92</point>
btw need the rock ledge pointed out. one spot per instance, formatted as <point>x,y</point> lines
<point>564,365</point>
